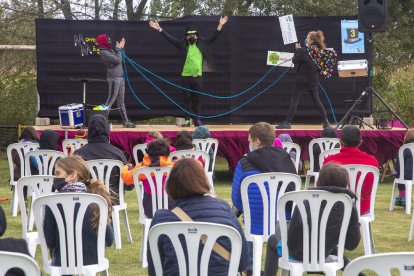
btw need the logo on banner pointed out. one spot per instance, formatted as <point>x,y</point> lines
<point>287,26</point>
<point>279,58</point>
<point>87,46</point>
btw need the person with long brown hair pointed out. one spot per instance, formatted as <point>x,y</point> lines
<point>188,186</point>
<point>307,77</point>
<point>72,175</point>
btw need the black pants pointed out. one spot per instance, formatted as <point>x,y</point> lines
<point>191,99</point>
<point>294,101</point>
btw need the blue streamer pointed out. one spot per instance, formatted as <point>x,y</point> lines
<point>211,116</point>
<point>329,101</point>
<point>208,94</point>
<point>130,87</point>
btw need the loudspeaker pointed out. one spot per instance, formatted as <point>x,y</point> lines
<point>91,112</point>
<point>372,16</point>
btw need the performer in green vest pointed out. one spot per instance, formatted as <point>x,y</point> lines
<point>196,58</point>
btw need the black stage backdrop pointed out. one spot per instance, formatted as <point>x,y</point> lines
<point>240,54</point>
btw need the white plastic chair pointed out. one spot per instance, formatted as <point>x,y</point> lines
<point>324,144</point>
<point>408,183</point>
<point>70,231</point>
<point>101,169</point>
<point>206,145</point>
<point>70,145</point>
<point>360,172</point>
<point>155,176</point>
<point>139,148</point>
<point>45,159</point>
<point>21,149</point>
<point>324,154</point>
<point>288,146</point>
<point>382,264</point>
<point>37,185</point>
<point>197,155</point>
<point>24,262</point>
<point>192,233</point>
<point>313,233</point>
<point>275,182</point>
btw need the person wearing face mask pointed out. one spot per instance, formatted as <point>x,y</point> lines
<point>72,176</point>
<point>307,76</point>
<point>112,58</point>
<point>195,58</point>
<point>262,158</point>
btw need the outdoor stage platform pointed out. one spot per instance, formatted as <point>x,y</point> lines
<point>233,144</point>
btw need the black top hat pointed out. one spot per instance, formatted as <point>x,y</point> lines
<point>191,30</point>
<point>352,36</point>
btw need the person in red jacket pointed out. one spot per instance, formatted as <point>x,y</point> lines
<point>350,154</point>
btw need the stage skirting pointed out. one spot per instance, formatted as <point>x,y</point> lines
<point>233,144</point>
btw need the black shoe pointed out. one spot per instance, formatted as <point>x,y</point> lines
<point>198,122</point>
<point>284,125</point>
<point>128,124</point>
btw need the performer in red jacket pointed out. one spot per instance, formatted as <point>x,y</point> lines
<point>350,154</point>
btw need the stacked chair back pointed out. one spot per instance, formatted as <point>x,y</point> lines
<point>324,144</point>
<point>357,175</point>
<point>70,145</point>
<point>142,148</point>
<point>102,169</point>
<point>324,154</point>
<point>44,159</point>
<point>197,155</point>
<point>271,187</point>
<point>64,206</point>
<point>37,186</point>
<point>193,232</point>
<point>314,231</point>
<point>27,264</point>
<point>207,145</point>
<point>156,177</point>
<point>20,150</point>
<point>382,264</point>
<point>288,147</point>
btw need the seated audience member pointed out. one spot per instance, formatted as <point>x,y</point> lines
<point>188,186</point>
<point>11,245</point>
<point>350,154</point>
<point>157,156</point>
<point>98,147</point>
<point>202,132</point>
<point>285,138</point>
<point>151,136</point>
<point>328,132</point>
<point>183,139</point>
<point>72,175</point>
<point>332,178</point>
<point>48,141</point>
<point>408,168</point>
<point>262,158</point>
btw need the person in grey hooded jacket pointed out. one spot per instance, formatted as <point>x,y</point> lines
<point>114,74</point>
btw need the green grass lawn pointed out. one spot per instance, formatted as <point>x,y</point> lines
<point>390,228</point>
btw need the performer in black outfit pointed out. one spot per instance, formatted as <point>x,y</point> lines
<point>307,77</point>
<point>196,58</point>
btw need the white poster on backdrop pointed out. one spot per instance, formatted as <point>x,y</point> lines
<point>279,58</point>
<point>288,29</point>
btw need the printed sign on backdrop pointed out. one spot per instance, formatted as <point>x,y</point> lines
<point>352,39</point>
<point>279,58</point>
<point>288,29</point>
